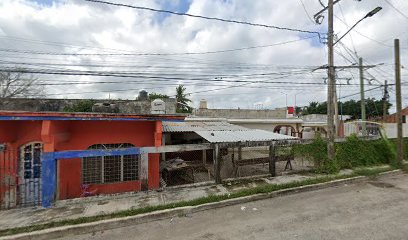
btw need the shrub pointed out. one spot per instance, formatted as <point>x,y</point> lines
<point>316,152</point>
<point>352,153</point>
<point>355,152</point>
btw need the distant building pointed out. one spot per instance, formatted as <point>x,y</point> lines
<point>280,120</point>
<point>392,118</point>
<point>139,106</point>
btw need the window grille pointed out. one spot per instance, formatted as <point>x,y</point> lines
<point>110,169</point>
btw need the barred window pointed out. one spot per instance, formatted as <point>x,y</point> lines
<point>110,169</point>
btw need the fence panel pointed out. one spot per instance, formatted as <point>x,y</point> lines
<point>245,161</point>
<point>179,168</point>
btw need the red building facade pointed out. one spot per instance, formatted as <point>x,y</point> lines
<point>25,135</point>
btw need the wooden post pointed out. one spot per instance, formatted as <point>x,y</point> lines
<point>163,155</point>
<point>205,157</point>
<point>144,171</point>
<point>239,153</point>
<point>217,164</point>
<point>272,162</point>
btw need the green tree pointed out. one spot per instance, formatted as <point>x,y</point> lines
<point>182,100</point>
<point>315,108</point>
<point>81,106</point>
<point>153,96</point>
<point>374,108</point>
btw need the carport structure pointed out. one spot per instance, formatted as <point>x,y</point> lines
<point>224,138</point>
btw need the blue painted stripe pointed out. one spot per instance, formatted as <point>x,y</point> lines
<point>49,169</point>
<point>96,153</point>
<point>36,118</point>
<point>48,178</point>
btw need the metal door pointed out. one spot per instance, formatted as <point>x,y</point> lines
<point>29,185</point>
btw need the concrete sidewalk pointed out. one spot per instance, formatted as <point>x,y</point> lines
<point>98,205</point>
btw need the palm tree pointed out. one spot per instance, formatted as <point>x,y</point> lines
<point>182,100</point>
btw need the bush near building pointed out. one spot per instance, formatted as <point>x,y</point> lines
<point>352,153</point>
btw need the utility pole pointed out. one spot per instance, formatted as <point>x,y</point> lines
<point>363,108</point>
<point>330,85</point>
<point>336,106</point>
<point>385,100</point>
<point>400,145</point>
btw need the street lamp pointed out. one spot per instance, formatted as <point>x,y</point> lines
<point>370,14</point>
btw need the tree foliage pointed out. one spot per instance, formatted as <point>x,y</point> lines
<point>153,96</point>
<point>19,84</point>
<point>182,100</point>
<point>82,106</point>
<point>374,108</point>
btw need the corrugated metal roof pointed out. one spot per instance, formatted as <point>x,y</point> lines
<point>276,120</point>
<point>200,126</point>
<point>241,136</point>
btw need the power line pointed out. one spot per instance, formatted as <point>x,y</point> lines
<point>396,9</point>
<point>294,84</point>
<point>351,35</point>
<point>371,89</point>
<point>152,54</point>
<point>365,36</point>
<point>307,13</point>
<point>205,17</point>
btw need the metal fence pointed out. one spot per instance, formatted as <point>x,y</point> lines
<point>274,159</point>
<point>179,168</point>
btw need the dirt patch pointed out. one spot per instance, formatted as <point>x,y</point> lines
<point>103,202</point>
<point>382,184</point>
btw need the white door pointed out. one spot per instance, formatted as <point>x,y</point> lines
<point>29,185</point>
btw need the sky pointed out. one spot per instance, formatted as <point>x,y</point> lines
<point>230,65</point>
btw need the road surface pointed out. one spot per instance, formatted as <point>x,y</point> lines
<point>377,209</point>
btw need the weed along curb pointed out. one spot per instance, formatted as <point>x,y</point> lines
<point>245,196</point>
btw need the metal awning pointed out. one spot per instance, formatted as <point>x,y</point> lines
<point>242,136</point>
<point>171,127</point>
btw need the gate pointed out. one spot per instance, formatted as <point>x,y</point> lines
<point>20,176</point>
<point>8,178</point>
<point>29,174</point>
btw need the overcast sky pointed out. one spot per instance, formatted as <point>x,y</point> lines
<point>262,77</point>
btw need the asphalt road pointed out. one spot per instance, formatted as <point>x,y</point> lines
<point>377,209</point>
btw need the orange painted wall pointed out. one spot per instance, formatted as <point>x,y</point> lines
<point>79,135</point>
<point>83,134</point>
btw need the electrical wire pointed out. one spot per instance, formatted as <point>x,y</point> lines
<point>152,54</point>
<point>205,17</point>
<point>307,13</point>
<point>396,9</point>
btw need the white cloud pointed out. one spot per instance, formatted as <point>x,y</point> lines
<point>107,29</point>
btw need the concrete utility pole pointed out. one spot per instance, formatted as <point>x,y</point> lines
<point>385,100</point>
<point>400,146</point>
<point>336,107</point>
<point>363,108</point>
<point>331,84</point>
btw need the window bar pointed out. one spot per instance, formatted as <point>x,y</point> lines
<point>121,168</point>
<point>103,170</point>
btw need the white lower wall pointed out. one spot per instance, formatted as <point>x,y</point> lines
<point>391,129</point>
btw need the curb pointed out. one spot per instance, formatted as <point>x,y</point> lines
<point>104,225</point>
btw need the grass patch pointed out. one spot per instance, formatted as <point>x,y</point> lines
<point>267,188</point>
